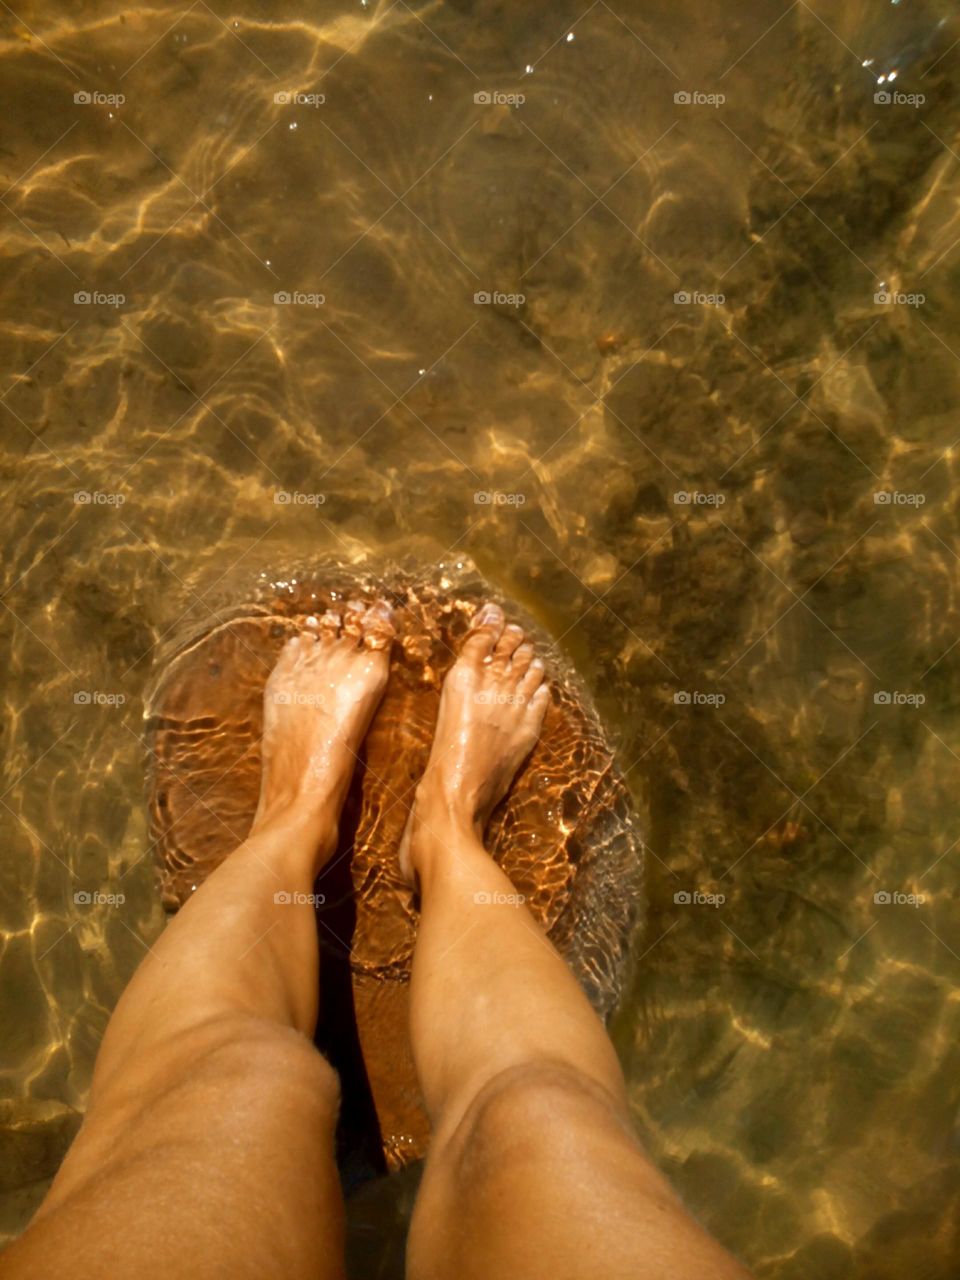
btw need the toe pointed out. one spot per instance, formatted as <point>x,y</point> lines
<point>288,654</point>
<point>537,703</point>
<point>533,678</point>
<point>286,660</point>
<point>329,625</point>
<point>378,628</point>
<point>485,631</point>
<point>507,645</point>
<point>521,660</point>
<point>353,619</point>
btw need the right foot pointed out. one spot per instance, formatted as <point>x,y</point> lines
<point>317,705</point>
<point>491,710</point>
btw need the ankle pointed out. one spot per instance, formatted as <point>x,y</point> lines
<point>441,825</point>
<point>296,816</point>
<point>445,812</point>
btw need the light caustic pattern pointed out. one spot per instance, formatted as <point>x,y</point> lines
<point>650,310</point>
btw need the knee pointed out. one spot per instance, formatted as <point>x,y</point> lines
<point>273,1059</point>
<point>534,1110</point>
<point>265,1066</point>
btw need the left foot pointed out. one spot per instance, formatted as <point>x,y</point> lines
<point>491,712</point>
<point>317,706</point>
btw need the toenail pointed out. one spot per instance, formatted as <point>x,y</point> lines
<point>488,613</point>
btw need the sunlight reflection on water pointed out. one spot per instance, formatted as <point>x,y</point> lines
<point>749,498</point>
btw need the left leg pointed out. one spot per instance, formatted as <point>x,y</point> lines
<point>207,1149</point>
<point>534,1170</point>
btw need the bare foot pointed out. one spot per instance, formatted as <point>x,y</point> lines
<point>491,711</point>
<point>317,706</point>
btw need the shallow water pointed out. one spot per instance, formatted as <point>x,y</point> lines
<point>791,1050</point>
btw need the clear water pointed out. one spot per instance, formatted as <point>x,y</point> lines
<point>792,1050</point>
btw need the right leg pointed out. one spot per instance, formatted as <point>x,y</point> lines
<point>534,1169</point>
<point>208,1145</point>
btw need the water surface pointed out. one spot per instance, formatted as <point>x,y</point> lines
<point>777,649</point>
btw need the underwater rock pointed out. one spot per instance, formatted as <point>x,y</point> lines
<point>565,834</point>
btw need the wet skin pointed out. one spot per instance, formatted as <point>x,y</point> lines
<point>207,1149</point>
